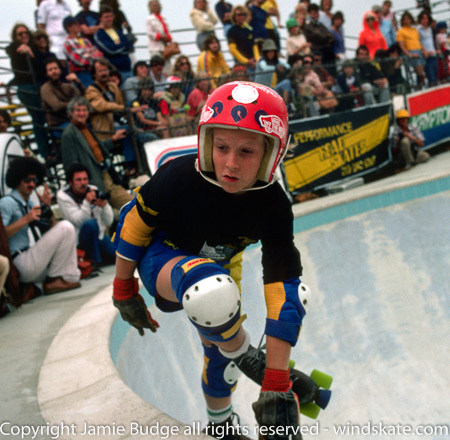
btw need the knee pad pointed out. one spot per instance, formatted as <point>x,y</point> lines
<point>209,296</point>
<point>220,374</point>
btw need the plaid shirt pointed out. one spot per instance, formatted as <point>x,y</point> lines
<point>80,53</point>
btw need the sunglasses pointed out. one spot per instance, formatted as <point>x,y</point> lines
<point>30,179</point>
<point>241,14</point>
<point>40,37</point>
<point>19,34</point>
<point>307,62</point>
<point>184,63</point>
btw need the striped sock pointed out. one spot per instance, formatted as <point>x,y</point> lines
<point>219,415</point>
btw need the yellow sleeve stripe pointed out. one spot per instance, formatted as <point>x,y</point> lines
<point>145,208</point>
<point>135,231</point>
<point>275,296</point>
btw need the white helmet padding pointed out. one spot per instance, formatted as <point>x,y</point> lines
<point>212,301</point>
<point>304,293</point>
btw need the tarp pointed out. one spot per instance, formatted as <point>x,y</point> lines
<point>335,147</point>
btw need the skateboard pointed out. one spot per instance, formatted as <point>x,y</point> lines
<point>313,391</point>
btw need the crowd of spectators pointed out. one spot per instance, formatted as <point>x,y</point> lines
<point>87,95</point>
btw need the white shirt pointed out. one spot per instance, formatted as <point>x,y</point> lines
<point>51,14</point>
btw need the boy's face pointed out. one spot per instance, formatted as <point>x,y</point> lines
<point>349,71</point>
<point>146,93</point>
<point>237,157</point>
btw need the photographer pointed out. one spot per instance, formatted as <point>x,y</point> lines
<point>38,256</point>
<point>88,210</point>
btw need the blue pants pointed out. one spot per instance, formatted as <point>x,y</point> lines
<point>96,249</point>
<point>431,70</point>
<point>30,98</point>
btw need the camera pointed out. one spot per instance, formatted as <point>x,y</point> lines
<point>45,221</point>
<point>102,195</point>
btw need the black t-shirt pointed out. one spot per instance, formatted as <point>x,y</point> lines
<point>207,221</point>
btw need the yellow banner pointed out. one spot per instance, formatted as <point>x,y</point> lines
<point>335,154</point>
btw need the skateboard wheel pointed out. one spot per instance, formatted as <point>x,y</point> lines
<point>323,380</point>
<point>310,410</point>
<point>291,363</point>
<point>323,398</point>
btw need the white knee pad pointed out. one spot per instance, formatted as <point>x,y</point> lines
<point>304,293</point>
<point>212,301</point>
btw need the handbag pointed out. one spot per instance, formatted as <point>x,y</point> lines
<point>170,49</point>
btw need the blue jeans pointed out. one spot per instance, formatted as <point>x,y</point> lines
<point>29,97</point>
<point>96,249</point>
<point>431,69</point>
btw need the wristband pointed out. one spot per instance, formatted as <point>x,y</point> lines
<point>276,380</point>
<point>125,289</point>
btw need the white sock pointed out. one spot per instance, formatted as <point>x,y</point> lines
<point>219,415</point>
<point>241,350</point>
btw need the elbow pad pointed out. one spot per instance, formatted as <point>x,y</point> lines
<point>286,302</point>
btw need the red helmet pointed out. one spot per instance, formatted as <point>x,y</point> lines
<point>247,106</point>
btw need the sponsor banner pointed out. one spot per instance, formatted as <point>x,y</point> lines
<point>430,111</point>
<point>336,147</point>
<point>160,152</point>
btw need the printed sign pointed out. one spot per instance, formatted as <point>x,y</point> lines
<point>336,147</point>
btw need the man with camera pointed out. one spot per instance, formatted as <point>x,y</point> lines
<point>42,249</point>
<point>88,210</point>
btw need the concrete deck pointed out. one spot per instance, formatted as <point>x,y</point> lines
<point>58,373</point>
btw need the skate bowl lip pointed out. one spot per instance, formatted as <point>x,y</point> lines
<point>86,347</point>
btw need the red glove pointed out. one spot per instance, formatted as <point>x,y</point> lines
<point>132,306</point>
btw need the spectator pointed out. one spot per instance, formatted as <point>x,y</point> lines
<point>386,26</point>
<point>79,144</point>
<point>273,11</point>
<point>300,11</point>
<point>204,20</point>
<point>270,70</point>
<point>442,45</point>
<point>130,87</point>
<point>408,141</point>
<point>388,14</point>
<point>391,63</point>
<point>347,88</point>
<point>150,117</point>
<point>320,37</point>
<point>115,76</point>
<point>51,257</point>
<point>41,51</point>
<point>241,43</point>
<point>223,11</point>
<point>107,101</point>
<point>325,14</point>
<point>183,70</point>
<point>51,14</point>
<point>314,87</point>
<point>80,52</point>
<point>157,32</point>
<point>371,78</point>
<point>56,94</point>
<point>120,21</point>
<point>113,43</point>
<point>23,64</point>
<point>88,210</point>
<point>172,103</point>
<point>157,75</point>
<point>408,38</point>
<point>371,36</point>
<point>327,80</point>
<point>429,49</point>
<point>296,42</point>
<point>337,30</point>
<point>258,20</point>
<point>5,120</point>
<point>198,97</point>
<point>211,60</point>
<point>89,20</point>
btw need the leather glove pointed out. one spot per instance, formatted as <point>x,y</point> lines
<point>132,306</point>
<point>277,407</point>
